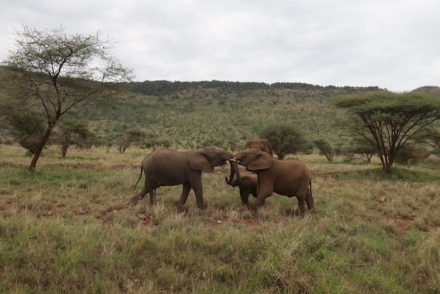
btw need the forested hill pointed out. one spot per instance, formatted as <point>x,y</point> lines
<point>192,114</point>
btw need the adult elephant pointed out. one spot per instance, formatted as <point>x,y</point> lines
<point>167,167</point>
<point>285,177</point>
<point>259,144</point>
<point>248,183</point>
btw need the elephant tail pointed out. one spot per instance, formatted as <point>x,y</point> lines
<point>309,197</point>
<point>140,175</point>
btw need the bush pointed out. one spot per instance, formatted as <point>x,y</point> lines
<point>285,139</point>
<point>27,128</point>
<point>412,154</point>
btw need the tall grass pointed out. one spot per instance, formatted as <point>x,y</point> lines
<point>69,228</point>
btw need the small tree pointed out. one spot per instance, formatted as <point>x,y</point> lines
<point>362,147</point>
<point>325,149</point>
<point>285,139</point>
<point>73,132</point>
<point>131,136</point>
<point>431,138</point>
<point>60,72</point>
<point>389,120</point>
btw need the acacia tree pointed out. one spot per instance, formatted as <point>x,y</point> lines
<point>284,139</point>
<point>61,71</point>
<point>131,136</point>
<point>73,132</point>
<point>325,149</point>
<point>388,120</point>
<point>362,147</point>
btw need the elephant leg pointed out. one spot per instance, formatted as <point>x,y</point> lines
<point>263,193</point>
<point>184,195</point>
<point>244,194</point>
<point>196,184</point>
<point>153,197</point>
<point>261,198</point>
<point>301,205</point>
<point>309,201</point>
<point>138,197</point>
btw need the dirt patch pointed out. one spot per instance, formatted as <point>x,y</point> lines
<point>251,222</point>
<point>80,165</point>
<point>324,174</point>
<point>124,166</point>
<point>402,224</point>
<point>144,219</point>
<point>81,211</point>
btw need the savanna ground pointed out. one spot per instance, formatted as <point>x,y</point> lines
<point>68,228</point>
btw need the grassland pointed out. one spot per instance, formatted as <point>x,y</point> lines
<point>68,228</point>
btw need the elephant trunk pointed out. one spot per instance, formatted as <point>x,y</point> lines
<point>234,171</point>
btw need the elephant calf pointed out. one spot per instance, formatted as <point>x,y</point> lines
<point>246,184</point>
<point>167,167</point>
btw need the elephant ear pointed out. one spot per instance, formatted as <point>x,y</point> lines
<point>261,161</point>
<point>198,161</point>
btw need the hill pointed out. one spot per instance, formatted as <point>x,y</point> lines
<point>192,114</point>
<point>431,90</point>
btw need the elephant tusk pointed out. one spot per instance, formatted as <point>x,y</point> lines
<point>233,160</point>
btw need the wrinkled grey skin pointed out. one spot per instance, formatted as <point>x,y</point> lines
<point>167,167</point>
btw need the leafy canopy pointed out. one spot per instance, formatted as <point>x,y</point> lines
<point>285,139</point>
<point>60,71</point>
<point>388,120</point>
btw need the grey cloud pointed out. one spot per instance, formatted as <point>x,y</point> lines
<point>392,44</point>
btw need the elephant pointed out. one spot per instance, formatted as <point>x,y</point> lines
<point>250,182</point>
<point>167,167</point>
<point>246,184</point>
<point>259,144</point>
<point>285,177</point>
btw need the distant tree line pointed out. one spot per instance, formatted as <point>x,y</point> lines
<point>161,88</point>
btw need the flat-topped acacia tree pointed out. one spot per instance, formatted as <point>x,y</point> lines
<point>389,120</point>
<point>61,71</point>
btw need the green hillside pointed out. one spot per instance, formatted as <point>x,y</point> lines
<point>191,114</point>
<point>196,114</point>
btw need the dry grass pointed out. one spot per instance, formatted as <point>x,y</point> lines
<point>69,227</point>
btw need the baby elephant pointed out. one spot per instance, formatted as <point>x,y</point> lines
<point>167,167</point>
<point>247,185</point>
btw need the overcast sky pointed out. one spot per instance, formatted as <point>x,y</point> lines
<point>394,44</point>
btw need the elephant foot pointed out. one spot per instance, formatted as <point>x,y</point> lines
<point>203,206</point>
<point>182,209</point>
<point>134,200</point>
<point>253,208</point>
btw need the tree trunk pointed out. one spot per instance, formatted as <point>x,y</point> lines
<point>329,157</point>
<point>64,148</point>
<point>37,153</point>
<point>368,156</point>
